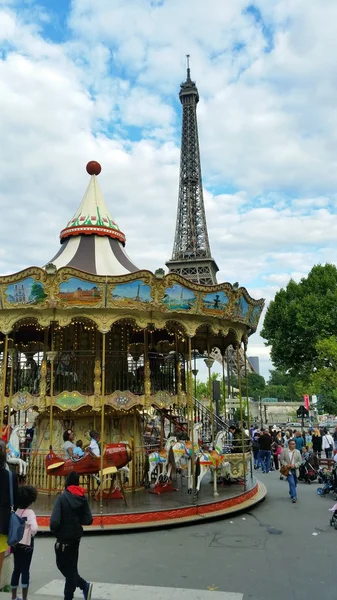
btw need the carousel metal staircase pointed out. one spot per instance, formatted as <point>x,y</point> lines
<point>202,414</point>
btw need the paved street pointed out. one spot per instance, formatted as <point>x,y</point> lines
<point>277,551</point>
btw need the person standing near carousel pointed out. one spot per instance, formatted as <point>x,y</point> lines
<point>5,505</point>
<point>317,442</point>
<point>70,512</point>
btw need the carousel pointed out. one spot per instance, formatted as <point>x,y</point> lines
<point>91,342</point>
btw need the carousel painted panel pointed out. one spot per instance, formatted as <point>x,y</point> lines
<point>80,292</point>
<point>24,400</point>
<point>163,399</point>
<point>179,298</point>
<point>71,401</point>
<point>124,400</point>
<point>214,303</point>
<point>241,307</point>
<point>254,316</point>
<point>132,294</point>
<point>26,292</point>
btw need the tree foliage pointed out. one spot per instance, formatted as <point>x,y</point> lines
<point>323,382</point>
<point>299,317</point>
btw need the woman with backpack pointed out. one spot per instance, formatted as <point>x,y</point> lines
<point>71,511</point>
<point>5,504</point>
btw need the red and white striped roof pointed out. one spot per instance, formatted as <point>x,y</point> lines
<point>92,240</point>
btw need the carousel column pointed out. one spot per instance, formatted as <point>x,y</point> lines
<point>190,410</point>
<point>241,415</point>
<point>224,383</point>
<point>102,424</point>
<point>51,357</point>
<point>11,353</point>
<point>248,414</point>
<point>4,379</point>
<point>147,371</point>
<point>178,369</point>
<point>209,364</point>
<point>134,456</point>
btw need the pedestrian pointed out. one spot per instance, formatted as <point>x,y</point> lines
<point>286,439</point>
<point>23,551</point>
<point>308,441</point>
<point>265,443</point>
<point>277,449</point>
<point>327,443</point>
<point>334,435</point>
<point>316,439</point>
<point>299,441</point>
<point>290,462</point>
<point>71,510</point>
<point>5,504</point>
<point>69,446</point>
<point>256,448</point>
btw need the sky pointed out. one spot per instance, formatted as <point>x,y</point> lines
<point>99,80</point>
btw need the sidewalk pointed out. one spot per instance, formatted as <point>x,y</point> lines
<point>112,591</point>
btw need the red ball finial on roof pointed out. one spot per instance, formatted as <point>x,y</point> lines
<point>93,167</point>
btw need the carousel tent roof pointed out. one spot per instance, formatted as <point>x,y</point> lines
<point>92,240</point>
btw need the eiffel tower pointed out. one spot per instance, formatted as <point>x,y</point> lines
<point>191,255</point>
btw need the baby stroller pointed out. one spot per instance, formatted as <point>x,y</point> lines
<point>329,480</point>
<point>308,469</point>
<point>333,519</point>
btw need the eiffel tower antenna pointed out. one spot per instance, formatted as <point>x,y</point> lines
<point>191,255</point>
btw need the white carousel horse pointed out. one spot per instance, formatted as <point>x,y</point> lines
<point>212,461</point>
<point>13,449</point>
<point>159,460</point>
<point>182,452</point>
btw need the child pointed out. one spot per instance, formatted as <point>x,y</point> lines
<point>78,450</point>
<point>23,552</point>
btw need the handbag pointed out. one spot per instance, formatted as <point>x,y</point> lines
<point>284,470</point>
<point>16,527</point>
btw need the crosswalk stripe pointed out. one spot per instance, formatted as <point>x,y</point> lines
<point>111,591</point>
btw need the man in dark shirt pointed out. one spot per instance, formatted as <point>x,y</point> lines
<point>265,442</point>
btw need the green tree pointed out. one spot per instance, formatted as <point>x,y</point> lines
<point>299,317</point>
<point>37,293</point>
<point>323,382</point>
<point>256,386</point>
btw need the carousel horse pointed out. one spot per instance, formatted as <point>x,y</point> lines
<point>157,460</point>
<point>13,449</point>
<point>180,455</point>
<point>182,451</point>
<point>114,455</point>
<point>212,461</point>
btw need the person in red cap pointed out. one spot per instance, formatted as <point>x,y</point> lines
<point>71,510</point>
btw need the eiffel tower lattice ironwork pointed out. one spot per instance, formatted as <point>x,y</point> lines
<point>191,256</point>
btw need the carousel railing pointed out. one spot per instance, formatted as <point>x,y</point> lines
<point>203,414</point>
<point>74,370</point>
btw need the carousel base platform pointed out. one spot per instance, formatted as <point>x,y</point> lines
<point>147,510</point>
